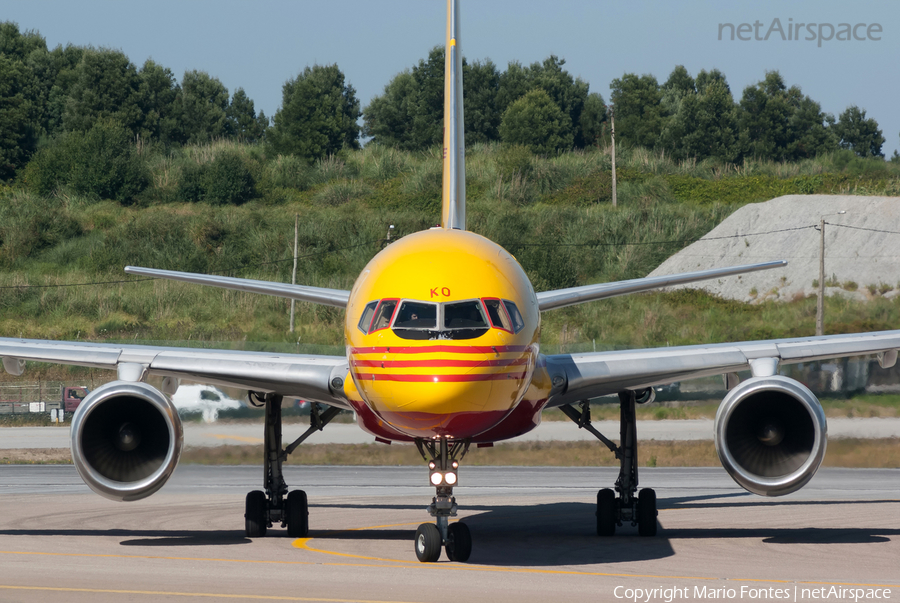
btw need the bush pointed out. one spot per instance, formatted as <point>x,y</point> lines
<point>288,171</point>
<point>190,184</point>
<point>537,122</point>
<point>226,180</point>
<point>30,223</point>
<point>514,159</point>
<point>99,164</point>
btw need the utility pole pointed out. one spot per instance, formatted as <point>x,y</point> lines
<point>294,274</point>
<point>612,131</point>
<point>820,304</point>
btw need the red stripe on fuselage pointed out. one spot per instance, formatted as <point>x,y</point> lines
<point>452,349</point>
<point>439,363</point>
<point>439,378</point>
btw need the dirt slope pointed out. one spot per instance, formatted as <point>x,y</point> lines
<point>859,255</point>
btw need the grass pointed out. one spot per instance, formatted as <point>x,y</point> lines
<point>849,452</point>
<point>553,213</point>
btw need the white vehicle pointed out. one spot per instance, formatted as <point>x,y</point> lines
<point>206,399</point>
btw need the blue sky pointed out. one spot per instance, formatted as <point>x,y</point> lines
<point>259,45</point>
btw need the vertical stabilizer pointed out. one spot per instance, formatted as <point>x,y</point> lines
<point>453,197</point>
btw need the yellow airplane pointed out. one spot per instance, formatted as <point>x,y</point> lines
<point>442,336</point>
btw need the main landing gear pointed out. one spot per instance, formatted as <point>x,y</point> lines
<point>443,458</point>
<point>616,507</point>
<point>276,505</point>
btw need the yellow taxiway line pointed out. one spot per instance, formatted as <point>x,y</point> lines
<point>163,593</point>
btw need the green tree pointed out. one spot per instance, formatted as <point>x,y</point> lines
<point>537,122</point>
<point>781,123</point>
<point>317,116</point>
<point>106,87</point>
<point>243,122</point>
<point>157,98</point>
<point>673,91</point>
<point>567,92</point>
<point>481,82</point>
<point>203,106</point>
<point>680,80</point>
<point>17,132</point>
<point>515,83</point>
<point>17,45</point>
<point>639,113</point>
<point>860,135</point>
<point>59,72</point>
<point>593,119</point>
<point>388,118</point>
<point>410,112</point>
<point>705,122</point>
<point>428,119</point>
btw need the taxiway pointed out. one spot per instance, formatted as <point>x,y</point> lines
<point>533,532</point>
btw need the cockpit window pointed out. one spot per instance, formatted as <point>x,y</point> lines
<point>419,320</point>
<point>416,315</point>
<point>464,320</point>
<point>366,318</point>
<point>517,320</point>
<point>464,315</point>
<point>383,314</point>
<point>499,317</point>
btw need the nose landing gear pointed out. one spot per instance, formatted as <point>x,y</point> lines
<point>443,458</point>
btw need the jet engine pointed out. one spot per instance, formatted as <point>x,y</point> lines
<point>126,440</point>
<point>771,435</point>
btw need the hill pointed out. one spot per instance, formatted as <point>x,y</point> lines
<point>861,234</point>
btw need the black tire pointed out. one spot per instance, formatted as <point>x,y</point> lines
<point>256,514</point>
<point>459,542</point>
<point>297,514</point>
<point>606,512</point>
<point>647,512</point>
<point>428,543</point>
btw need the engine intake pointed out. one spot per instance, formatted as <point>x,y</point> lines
<point>126,440</point>
<point>771,435</point>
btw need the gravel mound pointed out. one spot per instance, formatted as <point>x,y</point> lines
<point>861,257</point>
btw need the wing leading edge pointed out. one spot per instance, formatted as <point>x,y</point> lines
<point>302,376</point>
<point>317,295</point>
<point>582,376</point>
<point>560,298</point>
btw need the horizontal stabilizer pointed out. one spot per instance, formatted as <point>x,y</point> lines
<point>560,298</point>
<point>317,295</point>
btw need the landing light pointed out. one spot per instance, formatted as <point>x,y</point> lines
<point>450,478</point>
<point>436,478</point>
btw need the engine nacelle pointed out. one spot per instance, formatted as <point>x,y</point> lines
<point>126,440</point>
<point>771,435</point>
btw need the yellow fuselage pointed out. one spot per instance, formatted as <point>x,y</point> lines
<point>438,380</point>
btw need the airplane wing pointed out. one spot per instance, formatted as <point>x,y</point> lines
<point>560,298</point>
<point>318,295</point>
<point>581,376</point>
<point>298,375</point>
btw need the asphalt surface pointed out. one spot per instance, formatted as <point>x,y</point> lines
<point>533,532</point>
<point>218,434</point>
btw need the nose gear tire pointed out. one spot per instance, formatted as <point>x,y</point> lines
<point>459,542</point>
<point>428,543</point>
